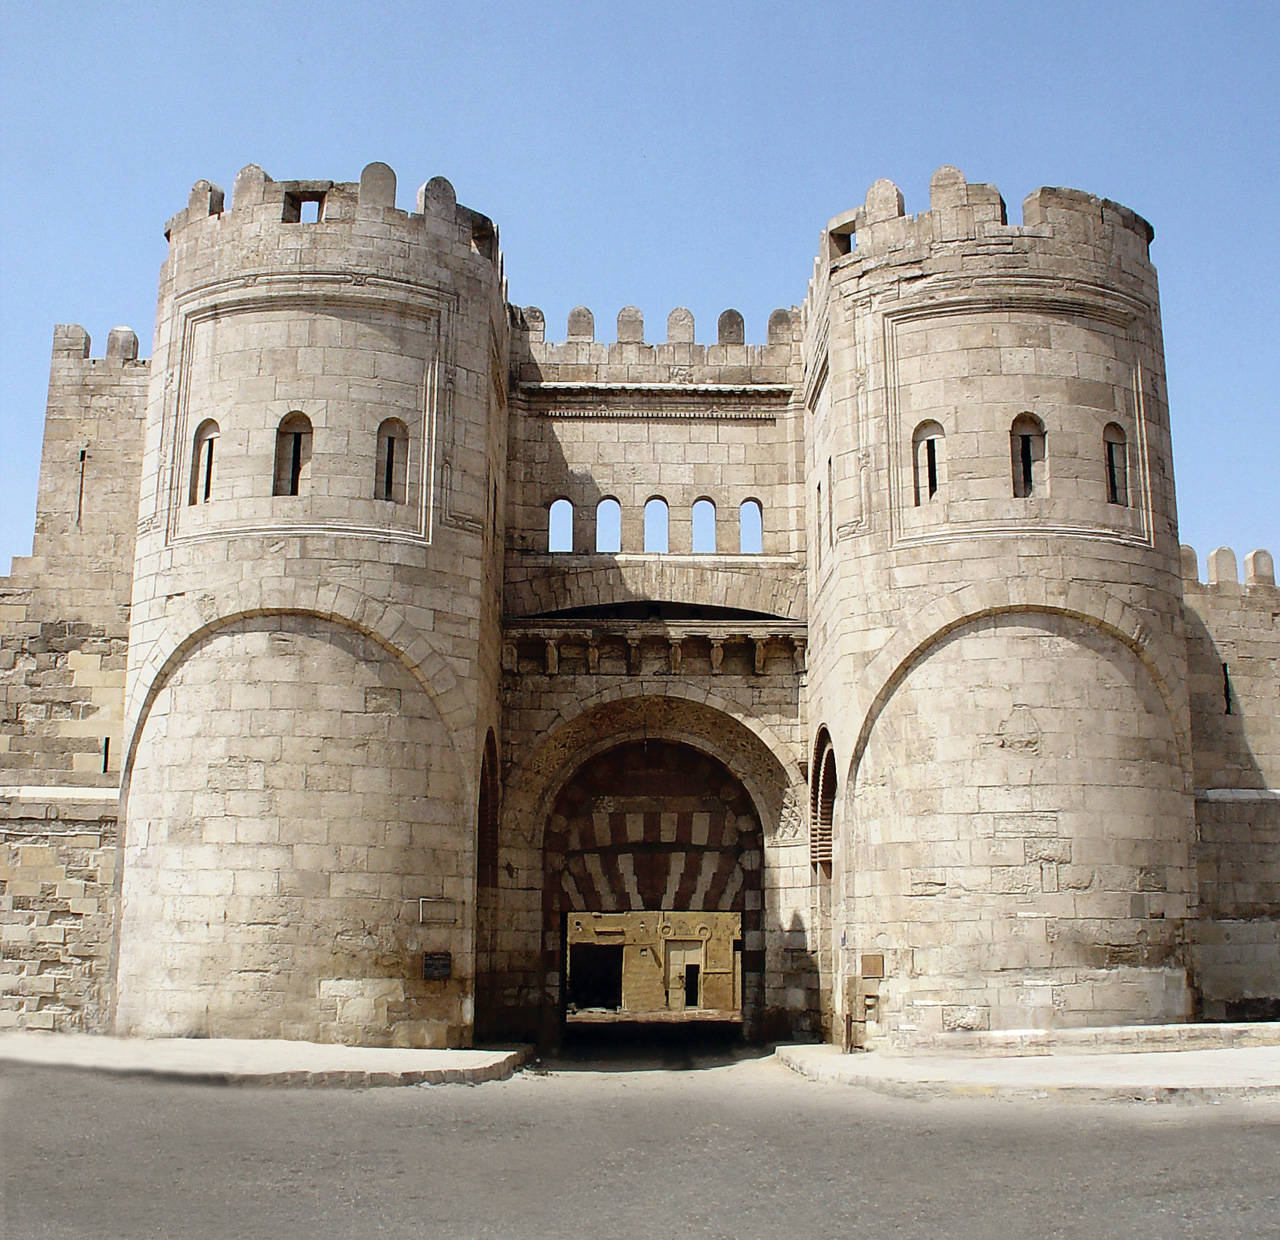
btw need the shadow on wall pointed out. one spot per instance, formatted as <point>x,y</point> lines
<point>1235,952</point>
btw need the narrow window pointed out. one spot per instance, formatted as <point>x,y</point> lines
<point>293,454</point>
<point>750,527</point>
<point>656,526</point>
<point>84,454</point>
<point>1117,450</point>
<point>704,527</point>
<point>1027,451</point>
<point>819,522</point>
<point>926,455</point>
<point>392,461</point>
<point>609,527</point>
<point>106,754</point>
<point>201,484</point>
<point>560,526</point>
<point>831,503</point>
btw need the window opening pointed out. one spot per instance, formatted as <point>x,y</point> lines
<point>1027,441</point>
<point>750,527</point>
<point>560,526</point>
<point>656,526</point>
<point>393,461</point>
<point>1117,465</point>
<point>831,503</point>
<point>1226,690</point>
<point>819,523</point>
<point>201,488</point>
<point>80,494</point>
<point>106,754</point>
<point>704,527</point>
<point>926,450</point>
<point>608,527</point>
<point>293,454</point>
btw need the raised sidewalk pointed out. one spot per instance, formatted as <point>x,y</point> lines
<point>242,1061</point>
<point>1151,1063</point>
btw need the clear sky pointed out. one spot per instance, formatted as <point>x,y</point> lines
<point>660,154</point>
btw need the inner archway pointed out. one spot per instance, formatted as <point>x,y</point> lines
<point>652,903</point>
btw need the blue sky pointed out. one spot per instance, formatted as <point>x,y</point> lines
<point>660,155</point>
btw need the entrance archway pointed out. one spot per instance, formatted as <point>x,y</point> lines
<point>653,886</point>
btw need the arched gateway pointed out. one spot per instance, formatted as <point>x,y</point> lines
<point>644,822</point>
<point>652,900</point>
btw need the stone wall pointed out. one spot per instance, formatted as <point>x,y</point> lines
<point>1233,654</point>
<point>64,614</point>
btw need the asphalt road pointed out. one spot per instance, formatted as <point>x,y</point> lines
<point>620,1148</point>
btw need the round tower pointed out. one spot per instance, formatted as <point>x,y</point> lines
<point>995,649</point>
<point>313,644</point>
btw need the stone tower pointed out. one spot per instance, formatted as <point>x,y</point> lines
<point>997,665</point>
<point>314,618</point>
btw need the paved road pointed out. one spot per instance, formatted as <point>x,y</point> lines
<point>623,1148</point>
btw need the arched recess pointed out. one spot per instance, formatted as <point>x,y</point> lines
<point>653,825</point>
<point>1016,814</point>
<point>293,791</point>
<point>385,623</point>
<point>1087,603</point>
<point>750,751</point>
<point>487,851</point>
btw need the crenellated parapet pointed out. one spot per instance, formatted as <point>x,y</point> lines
<point>971,219</point>
<point>1222,571</point>
<point>631,359</point>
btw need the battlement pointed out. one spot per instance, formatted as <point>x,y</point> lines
<point>960,211</point>
<point>630,359</point>
<point>257,197</point>
<point>71,342</point>
<point>1259,570</point>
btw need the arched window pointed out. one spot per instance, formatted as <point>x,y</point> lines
<point>926,455</point>
<point>293,454</point>
<point>822,802</point>
<point>487,817</point>
<point>560,526</point>
<point>704,527</point>
<point>656,537</point>
<point>201,490</point>
<point>609,527</point>
<point>1117,457</point>
<point>1027,454</point>
<point>392,467</point>
<point>750,527</point>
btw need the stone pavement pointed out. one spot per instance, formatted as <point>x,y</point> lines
<point>1143,1076</point>
<point>242,1061</point>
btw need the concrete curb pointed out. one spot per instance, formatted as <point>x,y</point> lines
<point>1165,1076</point>
<point>278,1064</point>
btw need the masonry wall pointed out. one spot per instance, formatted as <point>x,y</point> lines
<point>64,613</point>
<point>1233,656</point>
<point>262,616</point>
<point>954,324</point>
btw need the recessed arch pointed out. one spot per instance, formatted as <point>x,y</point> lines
<point>391,462</point>
<point>293,454</point>
<point>203,442</point>
<point>1115,451</point>
<point>928,454</point>
<point>1028,455</point>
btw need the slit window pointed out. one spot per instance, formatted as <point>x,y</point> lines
<point>201,487</point>
<point>704,527</point>
<point>1027,454</point>
<point>1117,461</point>
<point>392,461</point>
<point>609,527</point>
<point>831,502</point>
<point>750,527</point>
<point>560,526</point>
<point>293,455</point>
<point>926,454</point>
<point>656,526</point>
